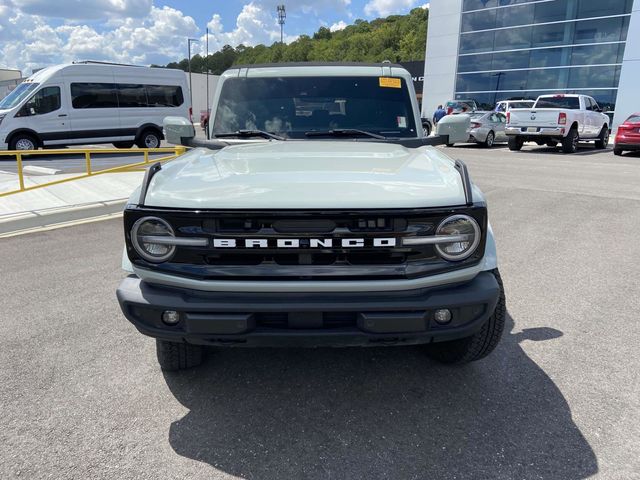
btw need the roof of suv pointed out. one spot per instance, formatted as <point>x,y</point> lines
<point>317,64</point>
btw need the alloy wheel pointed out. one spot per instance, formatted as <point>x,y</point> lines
<point>151,141</point>
<point>25,144</point>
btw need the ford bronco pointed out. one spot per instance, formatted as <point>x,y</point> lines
<point>316,213</point>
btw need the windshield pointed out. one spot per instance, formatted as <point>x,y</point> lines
<point>18,94</point>
<point>572,103</point>
<point>520,104</point>
<point>293,106</point>
<point>460,106</point>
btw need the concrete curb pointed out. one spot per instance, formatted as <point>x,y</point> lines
<point>16,222</point>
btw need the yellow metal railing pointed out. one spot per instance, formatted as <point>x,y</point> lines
<point>19,154</point>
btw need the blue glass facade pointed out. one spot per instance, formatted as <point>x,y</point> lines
<point>520,49</point>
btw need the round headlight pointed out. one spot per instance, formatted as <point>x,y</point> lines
<point>147,237</point>
<point>466,232</point>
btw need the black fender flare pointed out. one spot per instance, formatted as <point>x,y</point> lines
<point>148,126</point>
<point>29,131</point>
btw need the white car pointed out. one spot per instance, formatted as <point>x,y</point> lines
<point>89,102</point>
<point>565,119</point>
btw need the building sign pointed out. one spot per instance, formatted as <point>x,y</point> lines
<point>416,69</point>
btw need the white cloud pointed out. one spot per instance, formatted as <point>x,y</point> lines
<point>37,33</point>
<point>341,25</point>
<point>158,38</point>
<point>384,8</point>
<point>254,25</point>
<point>85,9</point>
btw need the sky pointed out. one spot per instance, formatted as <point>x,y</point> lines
<point>37,33</point>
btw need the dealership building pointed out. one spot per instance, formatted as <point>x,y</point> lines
<point>492,50</point>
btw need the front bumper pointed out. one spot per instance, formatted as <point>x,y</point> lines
<point>538,132</point>
<point>309,319</point>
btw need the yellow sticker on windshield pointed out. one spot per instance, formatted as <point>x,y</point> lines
<point>388,82</point>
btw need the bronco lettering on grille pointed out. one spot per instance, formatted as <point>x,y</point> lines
<point>304,243</point>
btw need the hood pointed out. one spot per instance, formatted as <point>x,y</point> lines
<point>311,174</point>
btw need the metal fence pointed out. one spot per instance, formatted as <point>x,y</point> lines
<point>20,154</point>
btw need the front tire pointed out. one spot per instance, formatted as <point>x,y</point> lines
<point>515,143</point>
<point>603,138</point>
<point>23,141</point>
<point>478,345</point>
<point>178,356</point>
<point>149,139</point>
<point>570,142</point>
<point>123,144</point>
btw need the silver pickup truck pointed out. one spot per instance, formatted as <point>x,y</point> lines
<point>317,214</point>
<point>558,119</point>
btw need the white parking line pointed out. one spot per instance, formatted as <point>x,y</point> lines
<point>71,223</point>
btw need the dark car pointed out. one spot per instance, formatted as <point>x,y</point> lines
<point>628,136</point>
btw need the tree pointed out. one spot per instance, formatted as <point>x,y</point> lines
<point>397,38</point>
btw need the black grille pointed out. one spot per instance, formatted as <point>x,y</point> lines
<point>326,320</point>
<point>304,262</point>
<point>306,228</point>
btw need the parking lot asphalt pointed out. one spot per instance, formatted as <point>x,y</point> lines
<point>82,395</point>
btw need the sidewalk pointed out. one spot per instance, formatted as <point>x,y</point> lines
<point>80,199</point>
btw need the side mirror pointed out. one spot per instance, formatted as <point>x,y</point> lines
<point>178,130</point>
<point>456,127</point>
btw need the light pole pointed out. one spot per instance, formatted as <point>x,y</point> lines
<point>495,95</point>
<point>282,14</point>
<point>189,41</point>
<point>206,65</point>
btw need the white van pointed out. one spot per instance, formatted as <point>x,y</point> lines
<point>88,102</point>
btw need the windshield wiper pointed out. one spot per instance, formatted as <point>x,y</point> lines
<point>343,132</point>
<point>249,133</point>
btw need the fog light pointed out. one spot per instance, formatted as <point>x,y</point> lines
<point>170,317</point>
<point>443,316</point>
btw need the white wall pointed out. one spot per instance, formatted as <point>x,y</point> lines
<point>441,60</point>
<point>628,100</point>
<point>8,74</point>
<point>199,91</point>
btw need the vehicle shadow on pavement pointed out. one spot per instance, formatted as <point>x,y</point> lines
<point>583,150</point>
<point>379,413</point>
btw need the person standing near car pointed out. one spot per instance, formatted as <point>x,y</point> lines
<point>438,114</point>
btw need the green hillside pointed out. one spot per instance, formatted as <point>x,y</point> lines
<point>397,38</point>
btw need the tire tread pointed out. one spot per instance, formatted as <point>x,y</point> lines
<point>567,142</point>
<point>174,356</point>
<point>515,143</point>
